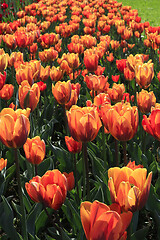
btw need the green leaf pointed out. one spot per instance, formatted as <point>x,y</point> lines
<point>31,218</point>
<point>6,219</point>
<point>64,235</point>
<point>42,219</point>
<point>140,234</point>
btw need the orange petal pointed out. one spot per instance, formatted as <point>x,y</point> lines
<point>85,217</point>
<point>133,198</point>
<point>122,195</point>
<point>138,177</point>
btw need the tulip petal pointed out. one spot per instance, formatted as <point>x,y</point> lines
<point>133,198</point>
<point>85,209</point>
<point>138,177</point>
<point>108,226</point>
<point>145,192</point>
<point>122,195</point>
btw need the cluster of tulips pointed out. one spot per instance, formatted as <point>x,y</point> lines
<point>79,85</point>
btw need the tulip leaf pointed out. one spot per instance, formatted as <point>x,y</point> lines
<point>31,218</point>
<point>64,235</point>
<point>140,234</point>
<point>45,165</point>
<point>6,219</point>
<point>9,175</point>
<point>2,182</point>
<point>42,219</point>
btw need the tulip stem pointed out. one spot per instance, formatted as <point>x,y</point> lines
<point>86,167</point>
<point>36,170</point>
<point>116,152</point>
<point>23,217</point>
<point>124,153</point>
<point>65,119</point>
<point>75,173</point>
<point>144,142</point>
<point>51,220</point>
<point>104,147</point>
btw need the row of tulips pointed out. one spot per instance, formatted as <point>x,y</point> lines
<point>79,84</point>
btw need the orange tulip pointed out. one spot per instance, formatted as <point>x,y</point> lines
<point>15,127</point>
<point>145,100</point>
<point>96,83</point>
<point>128,74</point>
<point>50,189</point>
<point>3,61</point>
<point>7,91</point>
<point>44,73</point>
<point>132,61</point>
<point>70,180</point>
<point>62,91</point>
<point>90,60</point>
<point>84,123</point>
<point>34,150</point>
<point>144,74</point>
<point>72,145</point>
<point>116,92</point>
<point>15,57</point>
<point>23,73</point>
<point>129,187</point>
<point>28,96</point>
<point>2,79</point>
<point>122,121</point>
<point>3,163</point>
<point>100,221</point>
<point>151,124</point>
<point>73,60</point>
<point>56,74</point>
<point>73,100</point>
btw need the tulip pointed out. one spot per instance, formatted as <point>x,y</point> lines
<point>56,74</point>
<point>116,92</point>
<point>73,60</point>
<point>84,123</point>
<point>42,86</point>
<point>2,79</point>
<point>15,127</point>
<point>100,221</point>
<point>70,180</point>
<point>128,74</point>
<point>72,145</point>
<point>15,57</point>
<point>145,100</point>
<point>151,124</point>
<point>44,73</point>
<point>129,187</point>
<point>122,121</point>
<point>144,74</point>
<point>50,189</point>
<point>62,91</point>
<point>7,91</point>
<point>96,83</point>
<point>34,150</point>
<point>121,65</point>
<point>3,61</point>
<point>24,73</point>
<point>115,78</point>
<point>132,61</point>
<point>28,96</point>
<point>3,163</point>
<point>90,60</point>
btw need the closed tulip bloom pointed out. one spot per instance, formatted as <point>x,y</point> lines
<point>129,187</point>
<point>84,123</point>
<point>128,74</point>
<point>72,145</point>
<point>7,92</point>
<point>23,73</point>
<point>100,221</point>
<point>62,91</point>
<point>2,79</point>
<point>122,121</point>
<point>56,74</point>
<point>3,163</point>
<point>121,65</point>
<point>3,61</point>
<point>145,100</point>
<point>73,60</point>
<point>34,150</point>
<point>116,92</point>
<point>132,61</point>
<point>44,73</point>
<point>97,83</point>
<point>144,74</point>
<point>91,60</point>
<point>28,96</point>
<point>70,180</point>
<point>15,57</point>
<point>15,127</point>
<point>151,124</point>
<point>50,189</point>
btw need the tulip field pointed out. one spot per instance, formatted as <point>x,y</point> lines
<point>79,121</point>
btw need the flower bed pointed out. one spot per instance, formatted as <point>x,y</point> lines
<point>79,117</point>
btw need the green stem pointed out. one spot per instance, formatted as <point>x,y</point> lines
<point>116,152</point>
<point>144,141</point>
<point>104,147</point>
<point>51,220</point>
<point>86,167</point>
<point>75,174</point>
<point>23,218</point>
<point>65,120</point>
<point>125,153</point>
